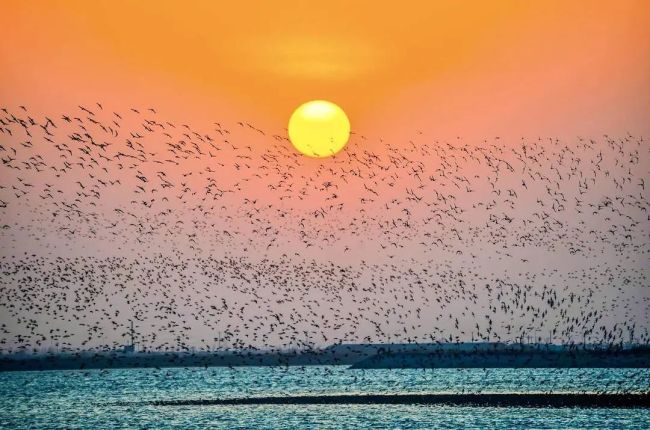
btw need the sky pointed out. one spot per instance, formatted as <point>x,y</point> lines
<point>469,68</point>
<point>496,183</point>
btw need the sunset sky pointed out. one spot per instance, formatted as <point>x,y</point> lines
<point>478,169</point>
<point>469,68</point>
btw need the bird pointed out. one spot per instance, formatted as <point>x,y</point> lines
<point>188,233</point>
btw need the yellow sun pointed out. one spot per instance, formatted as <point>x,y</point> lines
<point>319,128</point>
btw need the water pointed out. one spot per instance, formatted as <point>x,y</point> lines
<point>87,399</point>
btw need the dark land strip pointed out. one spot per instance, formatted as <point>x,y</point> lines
<point>533,400</point>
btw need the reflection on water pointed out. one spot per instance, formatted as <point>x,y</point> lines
<point>82,399</point>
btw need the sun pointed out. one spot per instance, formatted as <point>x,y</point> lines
<point>319,128</point>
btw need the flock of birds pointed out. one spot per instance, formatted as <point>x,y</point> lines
<point>226,238</point>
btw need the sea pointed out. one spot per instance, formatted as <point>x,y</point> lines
<point>121,398</point>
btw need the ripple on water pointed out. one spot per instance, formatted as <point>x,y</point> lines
<point>81,399</point>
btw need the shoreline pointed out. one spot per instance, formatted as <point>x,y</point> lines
<point>532,400</point>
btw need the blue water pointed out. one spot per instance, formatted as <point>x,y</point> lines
<point>87,399</point>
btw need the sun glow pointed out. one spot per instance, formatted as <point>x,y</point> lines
<point>319,129</point>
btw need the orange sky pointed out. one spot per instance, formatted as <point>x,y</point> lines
<point>447,67</point>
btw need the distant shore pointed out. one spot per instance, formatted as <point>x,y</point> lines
<point>507,359</point>
<point>532,400</point>
<point>357,356</point>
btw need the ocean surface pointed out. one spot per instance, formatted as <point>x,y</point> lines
<point>117,398</point>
